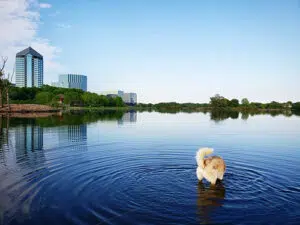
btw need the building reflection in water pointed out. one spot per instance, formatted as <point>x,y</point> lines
<point>209,199</point>
<point>29,143</point>
<point>20,142</point>
<point>22,153</point>
<point>73,134</point>
<point>28,137</point>
<point>129,117</point>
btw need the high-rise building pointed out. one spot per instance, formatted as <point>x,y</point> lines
<point>71,81</point>
<point>128,98</point>
<point>29,68</point>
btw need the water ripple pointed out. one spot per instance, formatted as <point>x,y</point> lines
<point>129,182</point>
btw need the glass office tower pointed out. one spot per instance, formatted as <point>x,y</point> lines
<point>72,81</point>
<point>29,68</point>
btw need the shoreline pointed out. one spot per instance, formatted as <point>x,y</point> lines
<point>42,111</point>
<point>28,108</point>
<point>195,109</point>
<point>39,109</point>
<point>30,115</point>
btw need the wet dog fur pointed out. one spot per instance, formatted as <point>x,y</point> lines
<point>210,168</point>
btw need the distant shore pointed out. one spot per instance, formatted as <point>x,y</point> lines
<point>39,109</point>
<point>183,109</point>
<point>31,111</point>
<point>65,99</point>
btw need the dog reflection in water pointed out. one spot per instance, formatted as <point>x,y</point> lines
<point>209,199</point>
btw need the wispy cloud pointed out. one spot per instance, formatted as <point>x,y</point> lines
<point>63,25</point>
<point>20,21</point>
<point>49,52</point>
<point>45,5</point>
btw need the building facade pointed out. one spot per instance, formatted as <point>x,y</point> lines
<point>71,81</point>
<point>128,98</point>
<point>29,68</point>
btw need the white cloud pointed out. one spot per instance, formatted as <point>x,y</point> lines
<point>45,5</point>
<point>49,52</point>
<point>19,22</point>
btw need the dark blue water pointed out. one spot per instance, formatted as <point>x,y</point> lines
<point>139,168</point>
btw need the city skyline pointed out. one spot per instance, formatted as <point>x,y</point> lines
<point>183,51</point>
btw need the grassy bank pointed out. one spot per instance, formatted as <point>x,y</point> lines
<point>28,108</point>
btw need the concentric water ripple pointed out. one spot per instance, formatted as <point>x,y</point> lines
<point>135,181</point>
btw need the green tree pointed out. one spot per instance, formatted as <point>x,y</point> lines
<point>296,106</point>
<point>256,105</point>
<point>288,105</point>
<point>274,105</point>
<point>43,97</point>
<point>234,103</point>
<point>90,99</point>
<point>219,101</point>
<point>72,98</point>
<point>103,100</point>
<point>111,101</point>
<point>119,102</point>
<point>245,102</point>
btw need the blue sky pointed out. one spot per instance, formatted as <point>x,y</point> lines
<point>171,50</point>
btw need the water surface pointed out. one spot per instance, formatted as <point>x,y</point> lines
<point>139,168</point>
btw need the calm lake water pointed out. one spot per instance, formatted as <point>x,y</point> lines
<point>139,168</point>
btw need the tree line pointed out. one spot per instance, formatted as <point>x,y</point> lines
<point>54,96</point>
<point>220,102</point>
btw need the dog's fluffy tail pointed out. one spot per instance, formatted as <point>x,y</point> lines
<point>200,155</point>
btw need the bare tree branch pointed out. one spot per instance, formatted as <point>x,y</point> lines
<point>4,60</point>
<point>10,76</point>
<point>5,82</point>
<point>13,73</point>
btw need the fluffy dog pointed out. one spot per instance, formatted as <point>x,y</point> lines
<point>211,168</point>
